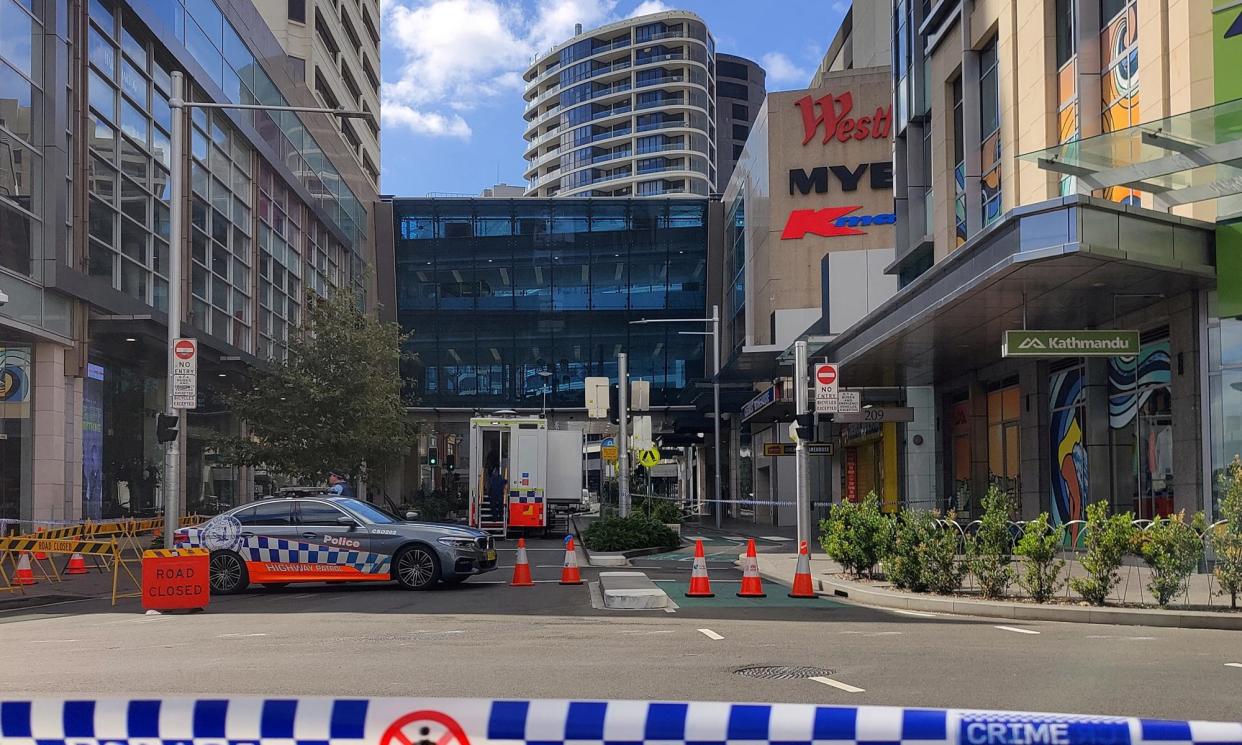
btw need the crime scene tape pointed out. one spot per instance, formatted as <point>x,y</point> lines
<point>403,721</point>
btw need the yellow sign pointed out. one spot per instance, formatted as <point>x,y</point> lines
<point>609,453</point>
<point>649,457</point>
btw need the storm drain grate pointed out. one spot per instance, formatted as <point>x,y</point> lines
<point>782,672</point>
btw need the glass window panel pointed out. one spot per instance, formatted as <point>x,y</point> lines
<point>101,13</point>
<point>198,281</point>
<point>161,112</point>
<point>131,46</point>
<point>219,291</point>
<point>23,101</point>
<point>209,19</point>
<point>134,162</point>
<point>198,144</point>
<point>220,132</point>
<point>198,214</point>
<point>133,241</point>
<point>102,222</point>
<point>134,83</point>
<point>160,294</point>
<point>134,200</point>
<point>101,52</point>
<point>204,52</point>
<point>199,313</point>
<point>102,96</point>
<point>101,261</point>
<point>134,280</point>
<point>160,263</point>
<point>241,213</point>
<point>102,179</point>
<point>219,260</point>
<point>160,74</point>
<point>161,147</point>
<point>134,123</point>
<point>219,228</point>
<point>198,246</point>
<point>20,40</point>
<point>221,199</point>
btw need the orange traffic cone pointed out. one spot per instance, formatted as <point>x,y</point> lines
<point>802,575</point>
<point>569,573</point>
<point>700,585</point>
<point>521,569</point>
<point>39,555</point>
<point>77,565</point>
<point>24,575</point>
<point>752,585</point>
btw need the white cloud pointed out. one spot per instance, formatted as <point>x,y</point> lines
<point>840,6</point>
<point>459,55</point>
<point>782,70</point>
<point>647,7</point>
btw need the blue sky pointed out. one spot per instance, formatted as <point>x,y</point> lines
<point>452,71</point>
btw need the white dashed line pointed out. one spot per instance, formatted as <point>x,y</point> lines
<point>1015,629</point>
<point>230,636</point>
<point>918,613</point>
<point>711,634</point>
<point>777,538</point>
<point>837,684</point>
<point>1233,664</point>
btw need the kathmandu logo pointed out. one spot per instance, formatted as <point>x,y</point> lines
<point>1032,342</point>
<point>831,222</point>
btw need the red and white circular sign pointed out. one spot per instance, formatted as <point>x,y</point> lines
<point>424,727</point>
<point>826,374</point>
<point>184,349</point>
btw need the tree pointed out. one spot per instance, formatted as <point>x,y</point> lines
<point>942,572</point>
<point>904,564</point>
<point>1227,538</point>
<point>1041,577</point>
<point>1109,538</point>
<point>989,551</point>
<point>1171,547</point>
<point>334,402</point>
<point>856,535</point>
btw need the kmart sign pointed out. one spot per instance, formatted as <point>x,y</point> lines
<point>1070,344</point>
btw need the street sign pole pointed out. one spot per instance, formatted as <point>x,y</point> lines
<point>623,446</point>
<point>802,463</point>
<point>172,453</point>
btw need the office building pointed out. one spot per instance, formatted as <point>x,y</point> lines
<point>626,109</point>
<point>512,303</point>
<point>740,87</point>
<point>335,46</point>
<point>275,205</point>
<point>1061,165</point>
<point>862,40</point>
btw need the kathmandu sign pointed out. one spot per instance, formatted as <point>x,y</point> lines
<point>1021,343</point>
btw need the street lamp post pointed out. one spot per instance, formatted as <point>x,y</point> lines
<point>178,103</point>
<point>543,408</point>
<point>715,334</point>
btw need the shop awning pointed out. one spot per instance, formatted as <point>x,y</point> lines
<point>1071,263</point>
<point>1191,157</point>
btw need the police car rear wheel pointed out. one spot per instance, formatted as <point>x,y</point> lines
<point>227,573</point>
<point>416,568</point>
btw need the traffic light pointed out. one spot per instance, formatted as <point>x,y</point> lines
<point>450,463</point>
<point>432,458</point>
<point>806,427</point>
<point>166,427</point>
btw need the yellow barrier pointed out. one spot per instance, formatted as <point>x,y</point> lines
<point>9,547</point>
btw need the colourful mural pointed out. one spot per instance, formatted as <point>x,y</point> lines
<point>1119,83</point>
<point>1067,448</point>
<point>1132,380</point>
<point>14,382</point>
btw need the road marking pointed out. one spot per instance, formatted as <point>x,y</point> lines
<point>528,548</point>
<point>837,684</point>
<point>502,582</point>
<point>1233,664</point>
<point>1127,638</point>
<point>1015,629</point>
<point>711,634</point>
<point>918,613</point>
<point>643,631</point>
<point>777,538</point>
<point>695,537</point>
<point>52,641</point>
<point>735,538</point>
<point>227,636</point>
<point>716,581</point>
<point>44,605</point>
<point>307,595</point>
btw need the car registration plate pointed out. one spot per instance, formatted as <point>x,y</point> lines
<point>491,555</point>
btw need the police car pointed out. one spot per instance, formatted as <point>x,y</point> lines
<point>324,538</point>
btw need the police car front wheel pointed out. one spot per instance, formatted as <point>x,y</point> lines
<point>416,568</point>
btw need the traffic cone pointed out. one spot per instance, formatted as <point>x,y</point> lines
<point>521,569</point>
<point>700,585</point>
<point>752,585</point>
<point>802,575</point>
<point>77,564</point>
<point>24,575</point>
<point>39,555</point>
<point>569,573</point>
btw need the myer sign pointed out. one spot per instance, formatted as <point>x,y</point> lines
<point>1070,344</point>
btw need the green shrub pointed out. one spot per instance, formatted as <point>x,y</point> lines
<point>1227,538</point>
<point>989,550</point>
<point>1108,539</point>
<point>1041,575</point>
<point>627,533</point>
<point>1171,547</point>
<point>942,572</point>
<point>904,563</point>
<point>660,510</point>
<point>856,535</point>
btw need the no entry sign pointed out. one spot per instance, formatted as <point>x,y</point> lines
<point>185,373</point>
<point>826,387</point>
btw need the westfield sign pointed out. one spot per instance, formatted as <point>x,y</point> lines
<point>833,113</point>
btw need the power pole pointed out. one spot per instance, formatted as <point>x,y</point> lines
<point>802,462</point>
<point>623,447</point>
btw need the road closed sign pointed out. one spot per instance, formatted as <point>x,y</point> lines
<point>184,361</point>
<point>174,579</point>
<point>827,387</point>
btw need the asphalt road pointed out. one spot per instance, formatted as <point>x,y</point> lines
<point>487,639</point>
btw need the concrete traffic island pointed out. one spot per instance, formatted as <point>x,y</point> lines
<point>631,591</point>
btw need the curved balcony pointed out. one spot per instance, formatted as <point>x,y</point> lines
<point>554,53</point>
<point>544,96</point>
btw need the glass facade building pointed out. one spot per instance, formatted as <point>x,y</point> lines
<point>496,291</point>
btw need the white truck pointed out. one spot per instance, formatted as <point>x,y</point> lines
<point>524,477</point>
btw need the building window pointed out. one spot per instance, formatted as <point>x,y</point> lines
<point>727,69</point>
<point>740,132</point>
<point>297,10</point>
<point>737,150</point>
<point>725,89</point>
<point>1119,84</point>
<point>1067,446</point>
<point>989,131</point>
<point>1140,420</point>
<point>1004,453</point>
<point>741,111</point>
<point>1067,83</point>
<point>959,167</point>
<point>1066,42</point>
<point>736,260</point>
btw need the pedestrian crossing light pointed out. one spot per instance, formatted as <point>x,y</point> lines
<point>432,458</point>
<point>166,427</point>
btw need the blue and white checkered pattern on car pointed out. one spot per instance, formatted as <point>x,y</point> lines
<point>388,721</point>
<point>278,550</point>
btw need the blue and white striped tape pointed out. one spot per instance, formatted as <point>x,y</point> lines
<point>396,721</point>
